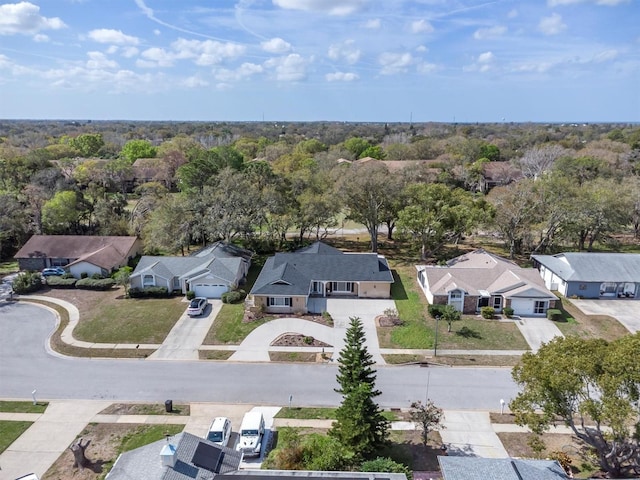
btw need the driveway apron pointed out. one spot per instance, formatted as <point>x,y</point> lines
<point>470,434</point>
<point>187,335</point>
<point>342,309</point>
<point>537,330</point>
<point>627,312</point>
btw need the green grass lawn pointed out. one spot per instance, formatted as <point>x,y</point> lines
<point>578,324</point>
<point>135,320</point>
<point>22,407</point>
<point>147,434</point>
<point>412,308</point>
<point>8,267</point>
<point>475,333</point>
<point>10,431</point>
<point>307,413</point>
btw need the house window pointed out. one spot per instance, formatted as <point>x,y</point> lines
<point>497,303</point>
<point>582,286</point>
<point>148,281</point>
<point>539,307</point>
<point>316,287</point>
<point>59,262</point>
<point>176,283</point>
<point>455,295</point>
<point>342,286</point>
<point>279,301</point>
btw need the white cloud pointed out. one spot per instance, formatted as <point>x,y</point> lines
<point>203,53</point>
<point>483,63</point>
<point>605,56</point>
<point>421,26</point>
<point>332,7</point>
<point>98,60</point>
<point>112,49</point>
<point>276,45</point>
<point>512,13</point>
<point>115,37</point>
<point>341,77</point>
<point>292,68</point>
<point>608,3</point>
<point>129,52</point>
<point>373,24</point>
<point>346,51</point>
<point>24,18</point>
<point>243,72</point>
<point>156,32</point>
<point>422,49</point>
<point>492,32</point>
<point>195,82</point>
<point>552,25</point>
<point>426,67</point>
<point>40,38</point>
<point>394,62</point>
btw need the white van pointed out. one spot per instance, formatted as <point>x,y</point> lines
<point>251,434</point>
<point>220,431</point>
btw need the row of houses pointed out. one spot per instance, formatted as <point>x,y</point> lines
<point>289,282</point>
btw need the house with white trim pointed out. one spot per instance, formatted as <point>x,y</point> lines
<point>289,282</point>
<point>209,272</point>
<point>591,275</point>
<point>481,279</point>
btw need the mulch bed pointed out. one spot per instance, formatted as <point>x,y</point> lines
<point>297,340</point>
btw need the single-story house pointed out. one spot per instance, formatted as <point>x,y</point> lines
<point>288,280</point>
<point>495,174</point>
<point>480,279</point>
<point>591,275</point>
<point>209,272</point>
<point>187,457</point>
<point>475,468</point>
<point>78,254</point>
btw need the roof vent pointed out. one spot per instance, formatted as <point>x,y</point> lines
<point>168,455</point>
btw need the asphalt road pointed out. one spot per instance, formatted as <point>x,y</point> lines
<point>25,365</point>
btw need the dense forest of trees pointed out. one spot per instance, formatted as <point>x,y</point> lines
<point>552,186</point>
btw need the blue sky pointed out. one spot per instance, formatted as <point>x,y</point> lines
<point>346,60</point>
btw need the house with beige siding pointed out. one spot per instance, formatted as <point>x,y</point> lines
<point>288,281</point>
<point>480,279</point>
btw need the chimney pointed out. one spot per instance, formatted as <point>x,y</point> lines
<point>168,455</point>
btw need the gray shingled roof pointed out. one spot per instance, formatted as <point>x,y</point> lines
<point>474,468</point>
<point>217,260</point>
<point>292,273</point>
<point>593,267</point>
<point>145,462</point>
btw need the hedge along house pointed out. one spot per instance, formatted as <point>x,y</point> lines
<point>288,281</point>
<point>78,254</point>
<point>591,275</point>
<point>480,279</point>
<point>209,272</point>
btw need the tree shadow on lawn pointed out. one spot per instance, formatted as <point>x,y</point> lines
<point>467,332</point>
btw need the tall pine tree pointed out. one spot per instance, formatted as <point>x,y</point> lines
<point>359,424</point>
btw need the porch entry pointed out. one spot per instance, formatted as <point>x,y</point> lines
<point>326,289</point>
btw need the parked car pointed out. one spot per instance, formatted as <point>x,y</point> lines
<point>197,306</point>
<point>47,272</point>
<point>251,434</point>
<point>220,431</point>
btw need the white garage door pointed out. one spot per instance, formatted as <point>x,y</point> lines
<point>522,306</point>
<point>208,290</point>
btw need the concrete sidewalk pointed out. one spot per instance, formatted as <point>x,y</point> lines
<point>50,435</point>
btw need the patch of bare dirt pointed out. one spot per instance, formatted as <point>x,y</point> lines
<point>145,409</point>
<point>297,340</point>
<point>388,321</point>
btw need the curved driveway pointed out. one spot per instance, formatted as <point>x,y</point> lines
<point>27,364</point>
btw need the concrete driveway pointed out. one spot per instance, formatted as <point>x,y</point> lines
<point>186,336</point>
<point>537,330</point>
<point>470,434</point>
<point>627,312</point>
